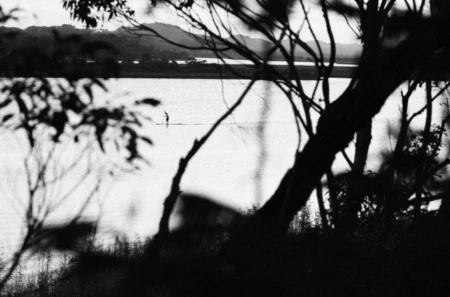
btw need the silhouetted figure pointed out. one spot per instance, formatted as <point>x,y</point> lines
<point>166,118</point>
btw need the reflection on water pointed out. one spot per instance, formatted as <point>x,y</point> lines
<point>248,62</point>
<point>225,167</point>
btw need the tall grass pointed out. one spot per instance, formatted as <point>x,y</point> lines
<point>45,272</point>
<point>308,261</point>
<point>40,274</point>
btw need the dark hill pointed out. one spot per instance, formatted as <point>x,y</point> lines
<point>132,43</point>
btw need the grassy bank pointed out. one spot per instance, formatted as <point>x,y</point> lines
<point>408,261</point>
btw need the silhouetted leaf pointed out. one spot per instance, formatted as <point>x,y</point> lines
<point>88,91</point>
<point>22,106</point>
<point>7,117</point>
<point>5,103</point>
<point>99,83</point>
<point>85,10</point>
<point>99,131</point>
<point>147,140</point>
<point>148,101</point>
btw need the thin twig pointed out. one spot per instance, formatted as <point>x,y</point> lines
<point>172,198</point>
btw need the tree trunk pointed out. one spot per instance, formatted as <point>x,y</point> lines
<point>422,154</point>
<point>375,80</point>
<point>355,194</point>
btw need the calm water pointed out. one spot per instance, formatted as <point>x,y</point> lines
<point>227,167</point>
<point>247,62</point>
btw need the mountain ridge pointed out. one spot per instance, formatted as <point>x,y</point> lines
<point>134,42</point>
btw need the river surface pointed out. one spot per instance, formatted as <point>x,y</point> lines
<point>248,62</point>
<point>241,165</point>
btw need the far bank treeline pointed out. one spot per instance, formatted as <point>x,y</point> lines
<point>126,53</point>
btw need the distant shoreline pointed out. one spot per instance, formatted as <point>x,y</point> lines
<point>203,72</point>
<point>304,72</point>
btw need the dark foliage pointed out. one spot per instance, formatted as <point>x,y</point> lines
<point>81,10</point>
<point>382,239</point>
<point>48,93</point>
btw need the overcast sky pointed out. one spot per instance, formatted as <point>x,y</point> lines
<point>51,13</point>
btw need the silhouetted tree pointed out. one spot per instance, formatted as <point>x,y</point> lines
<point>400,45</point>
<point>54,114</point>
<point>387,34</point>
